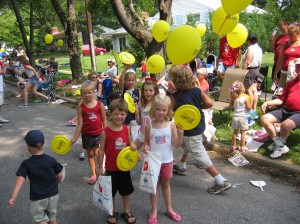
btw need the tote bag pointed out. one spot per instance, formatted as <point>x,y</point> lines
<point>150,172</point>
<point>102,194</point>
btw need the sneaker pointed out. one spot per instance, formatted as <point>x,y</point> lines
<point>179,171</point>
<point>23,105</point>
<point>4,120</point>
<point>272,146</point>
<point>279,151</point>
<point>217,189</point>
<point>71,123</point>
<point>81,156</point>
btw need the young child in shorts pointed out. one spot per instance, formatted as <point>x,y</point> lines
<point>241,104</point>
<point>114,138</point>
<point>161,137</point>
<point>91,119</point>
<point>183,80</point>
<point>44,174</point>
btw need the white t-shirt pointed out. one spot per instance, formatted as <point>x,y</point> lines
<point>256,52</point>
<point>111,71</point>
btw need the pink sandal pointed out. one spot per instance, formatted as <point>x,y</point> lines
<point>174,217</point>
<point>152,220</point>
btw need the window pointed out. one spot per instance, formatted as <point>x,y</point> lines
<point>122,43</point>
<point>198,18</point>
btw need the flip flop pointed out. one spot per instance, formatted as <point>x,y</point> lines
<point>115,215</point>
<point>174,217</point>
<point>126,216</point>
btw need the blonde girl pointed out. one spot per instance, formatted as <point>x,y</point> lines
<point>162,136</point>
<point>241,104</point>
<point>91,120</point>
<point>32,81</point>
<point>148,91</point>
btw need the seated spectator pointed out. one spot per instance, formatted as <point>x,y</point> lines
<point>201,79</point>
<point>110,72</point>
<point>52,66</point>
<point>288,115</point>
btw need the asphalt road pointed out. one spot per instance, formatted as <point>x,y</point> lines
<point>278,203</point>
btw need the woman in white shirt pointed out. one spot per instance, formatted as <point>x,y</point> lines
<point>252,61</point>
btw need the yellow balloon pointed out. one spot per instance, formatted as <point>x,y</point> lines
<point>28,38</point>
<point>222,23</point>
<point>155,64</point>
<point>48,38</point>
<point>238,36</point>
<point>161,30</point>
<point>59,42</point>
<point>201,29</point>
<point>2,49</point>
<point>233,7</point>
<point>183,44</point>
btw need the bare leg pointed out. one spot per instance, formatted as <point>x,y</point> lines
<point>243,138</point>
<point>166,190</point>
<point>286,127</point>
<point>212,170</point>
<point>234,136</point>
<point>267,121</point>
<point>91,159</point>
<point>154,199</point>
<point>220,76</point>
<point>126,202</point>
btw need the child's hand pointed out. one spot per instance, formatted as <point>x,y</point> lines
<point>11,202</point>
<point>179,129</point>
<point>73,141</point>
<point>133,147</point>
<point>146,149</point>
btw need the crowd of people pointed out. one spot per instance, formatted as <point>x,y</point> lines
<point>104,136</point>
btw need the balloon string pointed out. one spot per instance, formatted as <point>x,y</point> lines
<point>223,24</point>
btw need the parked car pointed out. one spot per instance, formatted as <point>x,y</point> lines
<point>98,50</point>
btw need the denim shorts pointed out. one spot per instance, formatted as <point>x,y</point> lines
<point>33,80</point>
<point>222,68</point>
<point>44,209</point>
<point>194,146</point>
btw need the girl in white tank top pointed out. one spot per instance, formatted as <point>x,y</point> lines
<point>161,137</point>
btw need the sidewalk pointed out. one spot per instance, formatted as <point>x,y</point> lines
<point>215,146</point>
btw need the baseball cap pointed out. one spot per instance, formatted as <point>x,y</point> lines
<point>35,138</point>
<point>112,60</point>
<point>297,61</point>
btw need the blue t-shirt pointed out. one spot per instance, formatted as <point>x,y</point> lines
<point>192,97</point>
<point>41,171</point>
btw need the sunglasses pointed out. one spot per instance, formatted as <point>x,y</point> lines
<point>94,77</point>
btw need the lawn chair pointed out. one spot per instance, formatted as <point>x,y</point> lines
<point>263,86</point>
<point>231,75</point>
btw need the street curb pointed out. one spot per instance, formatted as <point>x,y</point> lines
<point>257,158</point>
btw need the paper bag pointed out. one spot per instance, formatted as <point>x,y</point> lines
<point>102,194</point>
<point>150,172</point>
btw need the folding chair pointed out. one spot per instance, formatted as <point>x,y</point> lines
<point>231,75</point>
<point>264,85</point>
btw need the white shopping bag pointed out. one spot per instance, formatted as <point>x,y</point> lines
<point>134,128</point>
<point>102,194</point>
<point>150,172</point>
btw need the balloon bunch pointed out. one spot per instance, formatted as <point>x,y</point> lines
<point>225,20</point>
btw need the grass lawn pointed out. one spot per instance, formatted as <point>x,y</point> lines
<point>224,132</point>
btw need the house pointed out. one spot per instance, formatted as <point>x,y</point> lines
<point>199,9</point>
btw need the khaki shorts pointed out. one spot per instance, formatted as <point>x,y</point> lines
<point>1,98</point>
<point>194,146</point>
<point>240,123</point>
<point>45,209</point>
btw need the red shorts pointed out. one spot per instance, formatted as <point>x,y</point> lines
<point>166,170</point>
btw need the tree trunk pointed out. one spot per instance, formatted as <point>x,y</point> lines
<point>28,47</point>
<point>135,26</point>
<point>70,28</point>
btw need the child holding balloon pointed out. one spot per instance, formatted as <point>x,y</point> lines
<point>183,80</point>
<point>161,136</point>
<point>114,138</point>
<point>91,117</point>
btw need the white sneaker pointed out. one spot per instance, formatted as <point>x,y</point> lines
<point>4,120</point>
<point>279,151</point>
<point>272,146</point>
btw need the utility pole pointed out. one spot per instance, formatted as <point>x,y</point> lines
<point>91,39</point>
